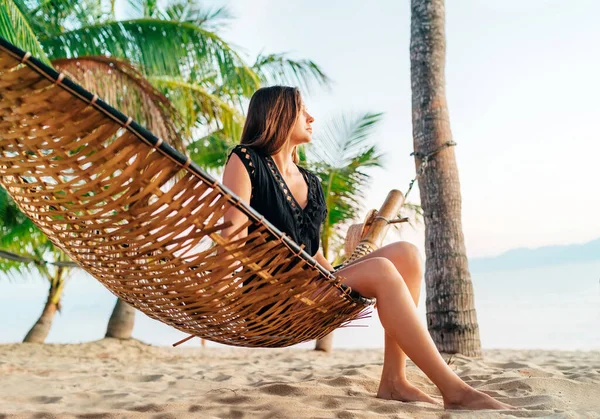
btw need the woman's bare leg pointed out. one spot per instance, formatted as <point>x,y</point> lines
<point>378,278</point>
<point>394,384</point>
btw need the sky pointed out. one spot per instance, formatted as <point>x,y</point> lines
<point>522,90</point>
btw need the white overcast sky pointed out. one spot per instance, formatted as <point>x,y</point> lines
<point>523,93</point>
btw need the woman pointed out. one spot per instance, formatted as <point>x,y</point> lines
<point>262,170</point>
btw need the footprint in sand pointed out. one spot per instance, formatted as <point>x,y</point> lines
<point>512,387</point>
<point>508,365</point>
<point>331,403</point>
<point>147,408</point>
<point>338,382</point>
<point>116,395</point>
<point>150,378</point>
<point>235,400</point>
<point>344,414</point>
<point>282,390</point>
<point>353,371</point>
<point>47,399</point>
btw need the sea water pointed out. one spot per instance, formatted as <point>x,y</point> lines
<point>548,307</point>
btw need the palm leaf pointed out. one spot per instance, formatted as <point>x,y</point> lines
<point>280,69</point>
<point>343,138</point>
<point>159,47</point>
<point>190,11</point>
<point>50,17</point>
<point>414,213</point>
<point>16,27</point>
<point>201,106</point>
<point>21,237</point>
<point>15,227</point>
<point>124,87</point>
<point>341,153</point>
<point>211,152</point>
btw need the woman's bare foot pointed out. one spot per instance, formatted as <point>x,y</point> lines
<point>403,391</point>
<point>471,399</point>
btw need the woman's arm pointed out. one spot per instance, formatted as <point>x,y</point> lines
<point>237,179</point>
<point>322,261</point>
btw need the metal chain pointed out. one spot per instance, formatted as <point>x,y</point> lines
<point>425,159</point>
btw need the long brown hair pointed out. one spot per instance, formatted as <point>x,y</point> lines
<point>272,114</point>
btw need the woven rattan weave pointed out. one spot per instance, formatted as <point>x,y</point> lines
<point>145,221</point>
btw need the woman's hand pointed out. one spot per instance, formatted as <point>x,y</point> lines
<point>322,261</point>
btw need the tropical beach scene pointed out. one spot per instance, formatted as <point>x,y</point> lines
<point>285,209</point>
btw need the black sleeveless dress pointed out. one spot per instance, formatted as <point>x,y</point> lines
<point>272,198</point>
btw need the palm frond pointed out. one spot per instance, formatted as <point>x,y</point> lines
<point>280,69</point>
<point>15,227</point>
<point>16,27</point>
<point>340,154</point>
<point>13,270</point>
<point>51,17</point>
<point>55,7</point>
<point>20,237</point>
<point>210,152</point>
<point>201,106</point>
<point>414,213</point>
<point>121,85</point>
<point>158,47</point>
<point>343,137</point>
<point>211,18</point>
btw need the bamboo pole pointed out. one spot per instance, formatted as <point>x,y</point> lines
<point>380,224</point>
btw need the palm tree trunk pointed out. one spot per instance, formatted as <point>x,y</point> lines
<point>325,344</point>
<point>39,332</point>
<point>451,316</point>
<point>120,324</point>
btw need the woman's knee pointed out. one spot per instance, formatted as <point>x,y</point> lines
<point>407,258</point>
<point>379,269</point>
<point>381,264</point>
<point>370,276</point>
<point>385,272</point>
<point>406,250</point>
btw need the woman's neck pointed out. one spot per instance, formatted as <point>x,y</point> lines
<point>284,160</point>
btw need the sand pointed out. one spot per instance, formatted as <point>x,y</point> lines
<point>128,379</point>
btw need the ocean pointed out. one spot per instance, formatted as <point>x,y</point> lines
<point>549,307</point>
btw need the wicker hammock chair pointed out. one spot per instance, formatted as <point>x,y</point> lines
<point>145,221</point>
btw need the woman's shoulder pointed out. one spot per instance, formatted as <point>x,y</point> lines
<point>245,149</point>
<point>247,153</point>
<point>250,157</point>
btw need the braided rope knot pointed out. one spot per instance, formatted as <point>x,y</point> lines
<point>425,159</point>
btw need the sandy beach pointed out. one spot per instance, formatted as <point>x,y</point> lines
<point>112,378</point>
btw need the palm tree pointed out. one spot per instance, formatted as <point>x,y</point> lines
<point>451,316</point>
<point>21,237</point>
<point>121,322</point>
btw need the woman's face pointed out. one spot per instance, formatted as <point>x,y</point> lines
<point>302,130</point>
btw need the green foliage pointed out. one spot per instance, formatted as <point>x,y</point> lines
<point>17,27</point>
<point>19,235</point>
<point>341,154</point>
<point>280,69</point>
